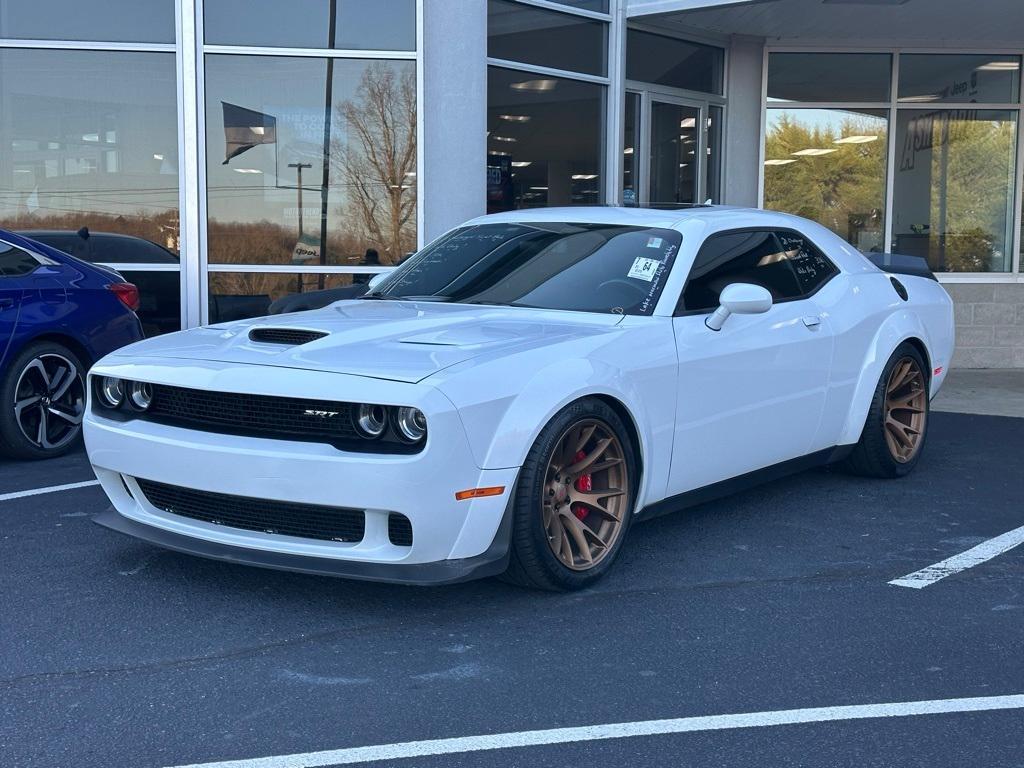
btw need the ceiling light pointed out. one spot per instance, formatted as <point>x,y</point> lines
<point>498,153</point>
<point>515,118</point>
<point>1000,66</point>
<point>541,189</point>
<point>521,163</point>
<point>584,176</point>
<point>544,84</point>
<point>504,138</point>
<point>865,139</point>
<point>627,151</point>
<point>158,157</point>
<point>813,152</point>
<point>925,97</point>
<point>247,170</point>
<point>778,162</point>
<point>688,122</point>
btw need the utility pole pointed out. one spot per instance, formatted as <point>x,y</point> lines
<point>298,169</point>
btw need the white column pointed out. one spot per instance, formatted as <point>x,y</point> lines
<point>454,107</point>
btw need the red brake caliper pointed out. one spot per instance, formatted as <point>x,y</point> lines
<point>583,484</point>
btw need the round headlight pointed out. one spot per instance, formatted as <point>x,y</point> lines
<point>372,420</point>
<point>111,391</point>
<point>140,395</point>
<point>411,424</point>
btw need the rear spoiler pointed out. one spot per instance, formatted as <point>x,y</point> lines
<point>901,264</point>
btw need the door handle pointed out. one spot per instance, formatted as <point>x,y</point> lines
<point>812,321</point>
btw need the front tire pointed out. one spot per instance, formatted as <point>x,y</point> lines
<point>42,402</point>
<point>574,499</point>
<point>897,423</point>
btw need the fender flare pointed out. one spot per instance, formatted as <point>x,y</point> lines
<point>546,392</point>
<point>898,328</point>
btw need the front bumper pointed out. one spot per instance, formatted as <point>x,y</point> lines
<point>452,540</point>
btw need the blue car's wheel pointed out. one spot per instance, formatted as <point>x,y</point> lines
<point>43,396</point>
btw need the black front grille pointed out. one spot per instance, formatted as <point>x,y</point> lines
<point>399,530</point>
<point>283,418</point>
<point>292,336</point>
<point>285,518</point>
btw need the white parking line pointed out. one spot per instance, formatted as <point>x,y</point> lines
<point>972,557</point>
<point>465,744</point>
<point>48,489</point>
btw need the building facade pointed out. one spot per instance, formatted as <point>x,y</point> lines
<point>225,153</point>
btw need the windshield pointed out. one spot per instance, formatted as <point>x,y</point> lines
<point>581,267</point>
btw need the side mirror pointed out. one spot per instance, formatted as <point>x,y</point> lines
<point>376,280</point>
<point>739,299</point>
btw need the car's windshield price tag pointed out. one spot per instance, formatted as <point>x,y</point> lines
<point>643,268</point>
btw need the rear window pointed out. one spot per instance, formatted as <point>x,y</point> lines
<point>580,267</point>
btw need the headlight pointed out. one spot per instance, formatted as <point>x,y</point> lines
<point>140,395</point>
<point>372,420</point>
<point>411,424</point>
<point>111,391</point>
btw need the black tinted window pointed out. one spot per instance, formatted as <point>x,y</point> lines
<point>784,263</point>
<point>14,261</point>
<point>581,267</point>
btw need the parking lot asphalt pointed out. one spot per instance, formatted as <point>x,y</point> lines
<point>116,653</point>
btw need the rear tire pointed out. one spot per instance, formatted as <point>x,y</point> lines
<point>42,402</point>
<point>897,423</point>
<point>566,533</point>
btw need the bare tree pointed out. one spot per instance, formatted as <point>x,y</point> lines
<point>378,160</point>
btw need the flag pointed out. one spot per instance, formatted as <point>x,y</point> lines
<point>245,129</point>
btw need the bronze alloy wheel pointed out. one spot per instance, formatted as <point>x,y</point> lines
<point>905,409</point>
<point>586,494</point>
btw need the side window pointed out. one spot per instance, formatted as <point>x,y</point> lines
<point>14,261</point>
<point>813,268</point>
<point>783,262</point>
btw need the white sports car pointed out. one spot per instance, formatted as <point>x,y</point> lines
<point>518,393</point>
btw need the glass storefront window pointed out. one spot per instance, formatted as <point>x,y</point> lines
<point>835,77</point>
<point>630,149</point>
<point>713,167</point>
<point>601,6</point>
<point>241,295</point>
<point>306,174</point>
<point>652,58</point>
<point>953,188</point>
<point>382,25</point>
<point>829,165</point>
<point>114,21</point>
<point>545,141</point>
<point>89,157</point>
<point>675,132</point>
<point>958,78</point>
<point>532,35</point>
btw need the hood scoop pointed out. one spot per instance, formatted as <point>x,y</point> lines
<point>291,336</point>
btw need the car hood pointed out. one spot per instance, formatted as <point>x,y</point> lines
<point>395,340</point>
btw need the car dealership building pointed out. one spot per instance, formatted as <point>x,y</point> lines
<point>224,153</point>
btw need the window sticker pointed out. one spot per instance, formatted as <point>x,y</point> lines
<point>644,268</point>
<point>654,242</point>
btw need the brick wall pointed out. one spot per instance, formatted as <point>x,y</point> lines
<point>989,325</point>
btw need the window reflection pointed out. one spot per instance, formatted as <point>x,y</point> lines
<point>240,295</point>
<point>518,32</point>
<point>837,77</point>
<point>544,142</point>
<point>382,25</point>
<point>670,61</point>
<point>829,165</point>
<point>953,188</point>
<point>961,78</point>
<point>310,161</point>
<point>89,161</point>
<point>117,21</point>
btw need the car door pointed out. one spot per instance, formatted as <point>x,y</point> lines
<point>753,393</point>
<point>10,306</point>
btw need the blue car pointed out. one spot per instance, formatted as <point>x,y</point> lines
<point>58,315</point>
